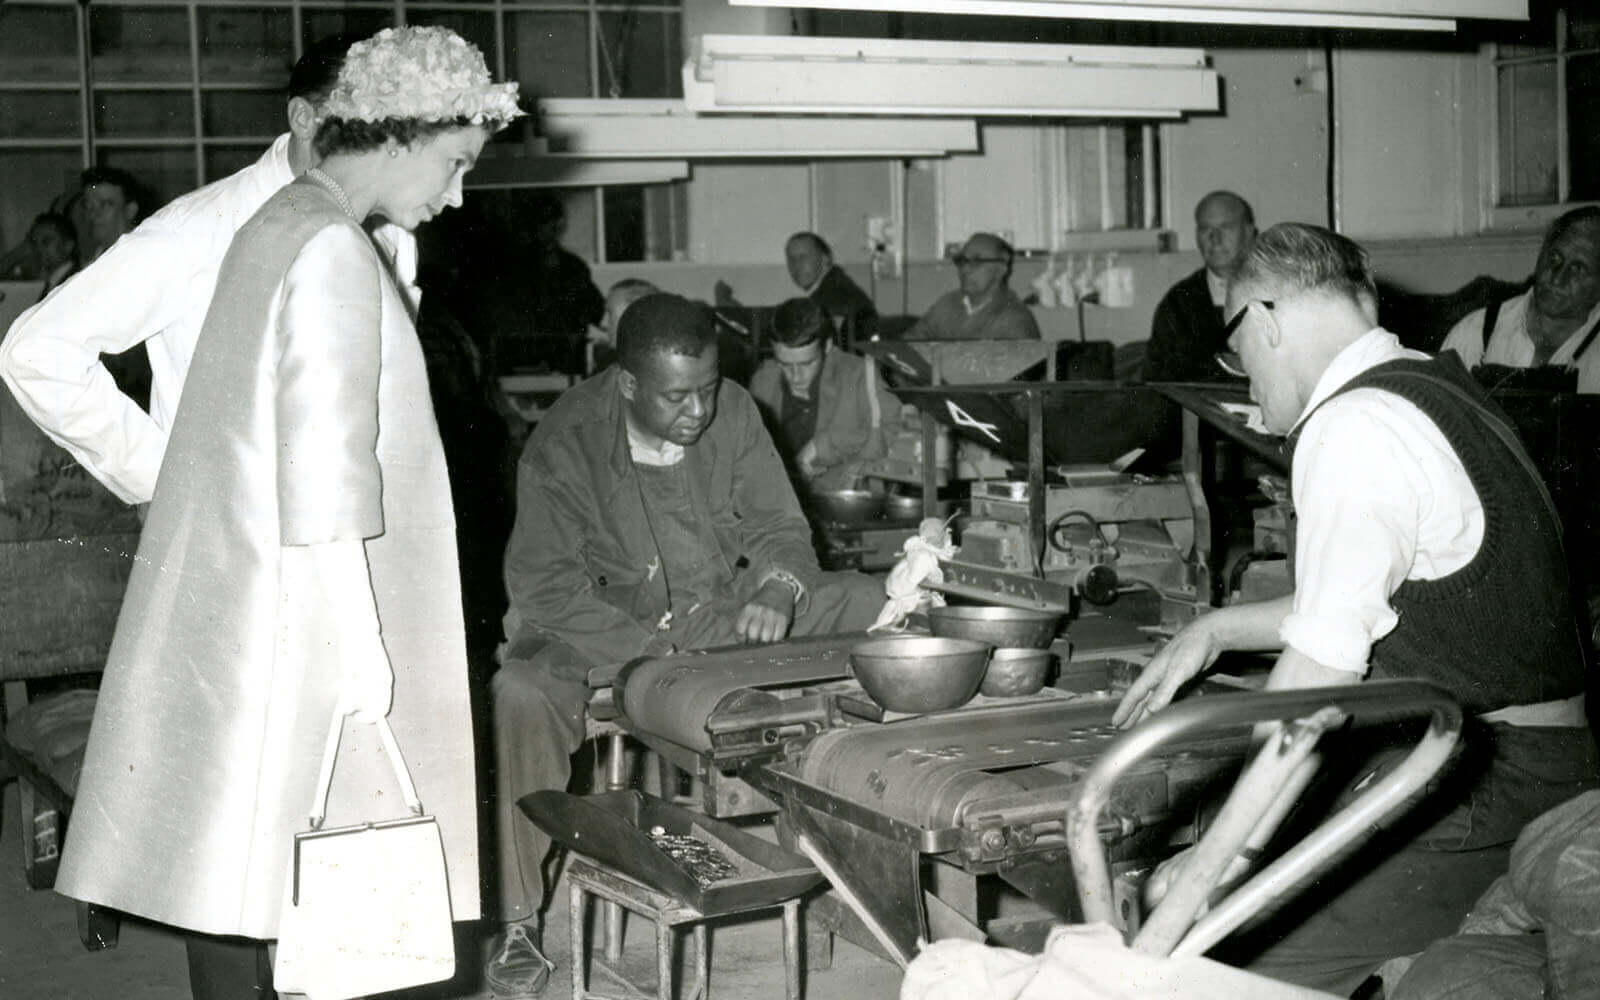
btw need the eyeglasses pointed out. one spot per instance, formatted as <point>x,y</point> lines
<point>960,261</point>
<point>1238,317</point>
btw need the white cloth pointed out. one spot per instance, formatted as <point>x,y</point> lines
<point>1082,962</point>
<point>1509,343</point>
<point>153,286</point>
<point>1381,498</point>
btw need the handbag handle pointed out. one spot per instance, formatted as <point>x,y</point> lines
<point>319,804</point>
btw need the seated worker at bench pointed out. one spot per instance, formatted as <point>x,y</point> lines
<point>653,515</point>
<point>1427,549</point>
<point>827,409</point>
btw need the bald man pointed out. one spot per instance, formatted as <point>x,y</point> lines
<point>1555,323</point>
<point>1187,330</point>
<point>984,307</point>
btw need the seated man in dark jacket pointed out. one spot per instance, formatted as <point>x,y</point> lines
<point>1187,329</point>
<point>653,516</point>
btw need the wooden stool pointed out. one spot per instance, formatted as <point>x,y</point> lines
<point>588,879</point>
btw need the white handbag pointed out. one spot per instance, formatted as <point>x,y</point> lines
<point>366,909</point>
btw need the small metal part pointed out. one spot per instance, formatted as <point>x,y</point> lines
<point>704,863</point>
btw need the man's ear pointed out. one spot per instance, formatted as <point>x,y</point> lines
<point>628,382</point>
<point>302,119</point>
<point>1271,330</point>
<point>130,211</point>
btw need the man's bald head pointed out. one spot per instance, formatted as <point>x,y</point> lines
<point>1225,227</point>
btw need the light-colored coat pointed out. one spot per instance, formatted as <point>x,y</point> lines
<point>305,419</point>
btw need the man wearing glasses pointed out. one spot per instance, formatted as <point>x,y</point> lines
<point>1426,548</point>
<point>1555,323</point>
<point>984,307</point>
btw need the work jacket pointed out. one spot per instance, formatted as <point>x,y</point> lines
<point>583,566</point>
<point>855,414</point>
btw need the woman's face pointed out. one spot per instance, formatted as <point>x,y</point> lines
<point>425,177</point>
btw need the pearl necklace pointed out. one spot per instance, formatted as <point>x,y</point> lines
<point>333,188</point>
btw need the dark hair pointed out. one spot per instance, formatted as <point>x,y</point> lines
<point>1245,210</point>
<point>800,322</point>
<point>314,75</point>
<point>338,135</point>
<point>60,223</point>
<point>662,324</point>
<point>1299,257</point>
<point>121,179</point>
<point>820,244</point>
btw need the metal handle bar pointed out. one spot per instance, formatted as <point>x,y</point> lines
<point>1388,699</point>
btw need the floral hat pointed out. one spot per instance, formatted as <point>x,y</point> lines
<point>423,73</point>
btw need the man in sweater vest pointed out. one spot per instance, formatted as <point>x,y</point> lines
<point>1426,548</point>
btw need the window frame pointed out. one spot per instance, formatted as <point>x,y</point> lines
<point>1500,217</point>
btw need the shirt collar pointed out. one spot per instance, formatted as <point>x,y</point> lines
<point>276,160</point>
<point>1563,354</point>
<point>645,453</point>
<point>1218,287</point>
<point>994,296</point>
<point>1373,348</point>
<point>818,283</point>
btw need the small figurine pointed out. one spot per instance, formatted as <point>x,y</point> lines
<point>919,562</point>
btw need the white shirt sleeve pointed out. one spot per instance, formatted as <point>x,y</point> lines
<point>1466,338</point>
<point>1360,501</point>
<point>50,359</point>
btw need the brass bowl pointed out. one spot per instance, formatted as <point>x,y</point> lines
<point>1003,628</point>
<point>848,506</point>
<point>919,673</point>
<point>1013,673</point>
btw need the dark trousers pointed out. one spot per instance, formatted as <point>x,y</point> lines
<point>539,704</point>
<point>1414,881</point>
<point>228,968</point>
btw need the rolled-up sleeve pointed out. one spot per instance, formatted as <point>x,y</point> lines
<point>328,358</point>
<point>1359,501</point>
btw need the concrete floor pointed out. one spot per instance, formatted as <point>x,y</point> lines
<point>41,959</point>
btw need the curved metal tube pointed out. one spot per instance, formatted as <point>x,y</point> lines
<point>1198,715</point>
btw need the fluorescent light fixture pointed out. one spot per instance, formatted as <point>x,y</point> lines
<point>506,166</point>
<point>662,129</point>
<point>1400,15</point>
<point>875,76</point>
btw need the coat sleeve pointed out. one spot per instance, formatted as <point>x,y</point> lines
<point>51,358</point>
<point>547,579</point>
<point>329,348</point>
<point>776,535</point>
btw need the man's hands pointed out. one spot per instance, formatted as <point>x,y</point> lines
<point>806,461</point>
<point>1188,655</point>
<point>768,615</point>
<point>367,685</point>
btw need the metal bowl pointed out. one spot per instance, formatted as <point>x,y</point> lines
<point>919,673</point>
<point>902,508</point>
<point>848,506</point>
<point>1013,673</point>
<point>1000,627</point>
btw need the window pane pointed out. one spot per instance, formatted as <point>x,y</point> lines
<point>139,44</point>
<point>224,160</point>
<point>38,44</point>
<point>644,221</point>
<point>549,54</point>
<point>1527,96</point>
<point>476,27</point>
<point>246,45</point>
<point>36,181</point>
<point>640,55</point>
<point>243,112</point>
<point>44,114</point>
<point>165,173</point>
<point>143,113</point>
<point>1583,127</point>
<point>1583,27</point>
<point>318,24</point>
